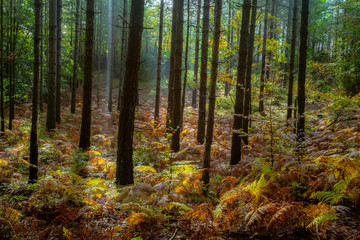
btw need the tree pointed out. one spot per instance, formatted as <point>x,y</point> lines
<point>51,101</point>
<point>248,87</point>
<point>186,60</point>
<point>196,64</point>
<point>111,49</point>
<point>2,70</point>
<point>212,94</point>
<point>75,58</point>
<point>302,69</point>
<point>264,68</point>
<point>236,144</point>
<point>292,61</point>
<point>33,176</point>
<point>86,109</point>
<point>58,60</point>
<point>203,73</point>
<point>124,39</point>
<point>158,70</point>
<point>178,47</point>
<point>124,162</point>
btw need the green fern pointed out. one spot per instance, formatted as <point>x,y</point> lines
<point>322,220</point>
<point>331,198</point>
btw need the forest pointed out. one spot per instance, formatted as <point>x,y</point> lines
<point>181,119</point>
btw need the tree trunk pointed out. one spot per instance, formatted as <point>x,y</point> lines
<point>158,70</point>
<point>124,162</point>
<point>241,71</point>
<point>302,69</point>
<point>124,39</point>
<point>86,109</point>
<point>186,61</point>
<point>196,64</point>
<point>41,61</point>
<point>263,60</point>
<point>33,176</point>
<point>229,38</point>
<point>75,59</point>
<point>2,130</point>
<point>51,102</point>
<point>58,60</point>
<point>292,61</point>
<point>176,118</point>
<point>212,95</point>
<point>288,40</point>
<point>111,57</point>
<point>203,73</point>
<point>249,63</point>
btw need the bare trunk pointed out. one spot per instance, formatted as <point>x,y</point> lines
<point>86,109</point>
<point>158,71</point>
<point>196,64</point>
<point>263,60</point>
<point>203,73</point>
<point>124,162</point>
<point>58,60</point>
<point>76,56</point>
<point>236,145</point>
<point>212,95</point>
<point>33,171</point>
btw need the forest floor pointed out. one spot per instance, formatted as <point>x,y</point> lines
<point>277,191</point>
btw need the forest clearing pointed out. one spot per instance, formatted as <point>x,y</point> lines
<point>179,119</point>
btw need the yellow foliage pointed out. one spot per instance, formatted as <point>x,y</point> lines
<point>145,169</point>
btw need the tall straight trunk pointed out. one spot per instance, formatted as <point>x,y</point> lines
<point>176,118</point>
<point>186,60</point>
<point>212,95</point>
<point>75,58</point>
<point>302,69</point>
<point>51,102</point>
<point>158,70</point>
<point>288,40</point>
<point>249,63</point>
<point>11,62</point>
<point>33,171</point>
<point>2,70</point>
<point>236,144</point>
<point>41,61</point>
<point>196,63</point>
<point>292,60</point>
<point>169,114</point>
<point>58,60</point>
<point>124,161</point>
<point>124,39</point>
<point>86,109</point>
<point>203,73</point>
<point>272,22</point>
<point>263,60</point>
<point>229,38</point>
<point>112,56</point>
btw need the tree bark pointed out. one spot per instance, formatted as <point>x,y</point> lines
<point>249,63</point>
<point>203,73</point>
<point>263,60</point>
<point>75,59</point>
<point>292,61</point>
<point>236,145</point>
<point>158,70</point>
<point>58,61</point>
<point>33,171</point>
<point>112,54</point>
<point>2,70</point>
<point>124,39</point>
<point>124,162</point>
<point>51,102</point>
<point>176,118</point>
<point>196,63</point>
<point>212,95</point>
<point>288,40</point>
<point>186,61</point>
<point>229,38</point>
<point>86,109</point>
<point>302,69</point>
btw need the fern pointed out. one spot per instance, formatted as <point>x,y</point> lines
<point>323,220</point>
<point>180,206</point>
<point>260,214</point>
<point>328,197</point>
